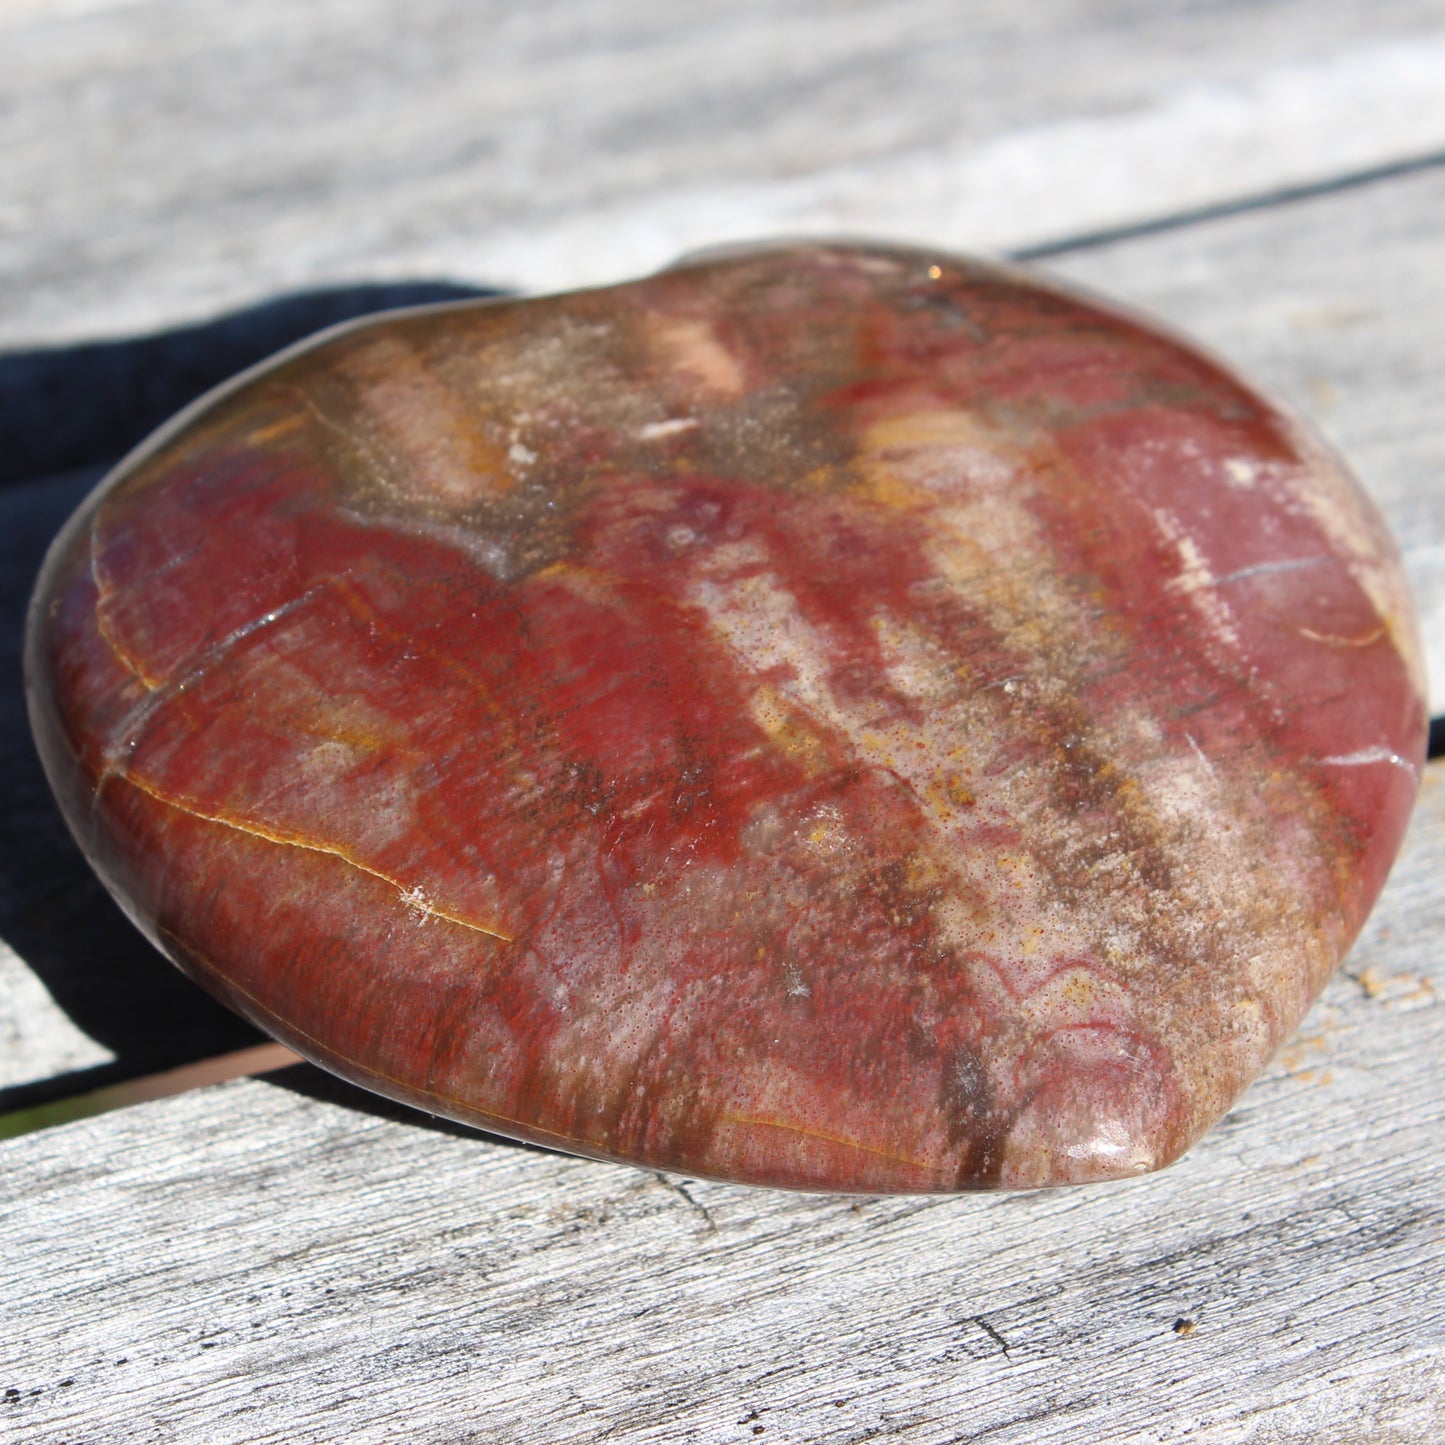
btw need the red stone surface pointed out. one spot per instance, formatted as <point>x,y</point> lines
<point>828,717</point>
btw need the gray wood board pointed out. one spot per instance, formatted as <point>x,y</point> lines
<point>162,159</point>
<point>245,1263</point>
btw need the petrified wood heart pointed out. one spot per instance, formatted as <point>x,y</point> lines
<point>833,717</point>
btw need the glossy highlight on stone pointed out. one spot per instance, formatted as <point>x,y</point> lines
<point>833,717</point>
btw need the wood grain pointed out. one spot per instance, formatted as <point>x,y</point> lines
<point>164,159</point>
<point>246,1264</point>
<point>37,1036</point>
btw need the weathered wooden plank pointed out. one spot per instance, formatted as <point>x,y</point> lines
<point>241,1064</point>
<point>168,158</point>
<point>245,1263</point>
<point>37,1037</point>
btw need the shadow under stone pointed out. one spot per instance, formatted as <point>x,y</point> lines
<point>66,416</point>
<point>86,405</point>
<point>314,1083</point>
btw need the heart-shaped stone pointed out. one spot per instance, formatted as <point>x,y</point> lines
<point>824,716</point>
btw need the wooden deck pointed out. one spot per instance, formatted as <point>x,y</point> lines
<point>280,1258</point>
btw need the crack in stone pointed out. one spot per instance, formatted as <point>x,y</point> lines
<point>165,689</point>
<point>1264,569</point>
<point>104,591</point>
<point>412,898</point>
<point>825,1138</point>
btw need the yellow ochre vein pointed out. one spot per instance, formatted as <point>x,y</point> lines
<point>822,1137</point>
<point>413,898</point>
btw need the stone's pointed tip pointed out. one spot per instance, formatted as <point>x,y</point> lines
<point>830,716</point>
<point>1082,1143</point>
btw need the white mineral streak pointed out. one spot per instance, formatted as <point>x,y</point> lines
<point>1200,754</point>
<point>1363,757</point>
<point>976,491</point>
<point>1197,581</point>
<point>491,552</point>
<point>673,426</point>
<point>1241,472</point>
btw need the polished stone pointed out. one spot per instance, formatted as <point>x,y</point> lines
<point>832,717</point>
